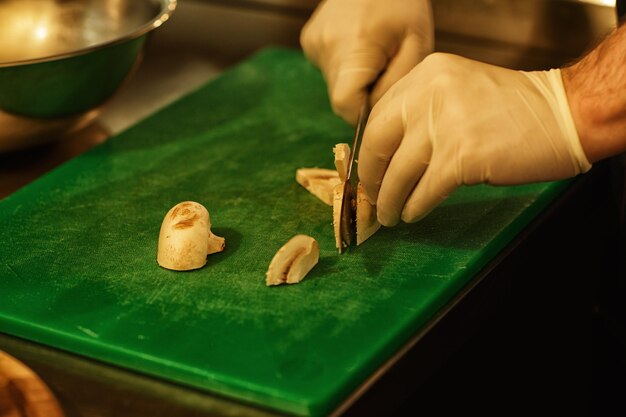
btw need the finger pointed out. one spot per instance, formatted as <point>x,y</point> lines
<point>410,53</point>
<point>403,173</point>
<point>305,38</point>
<point>311,37</point>
<point>351,76</point>
<point>435,186</point>
<point>382,136</point>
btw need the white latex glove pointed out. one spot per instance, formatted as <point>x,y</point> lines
<point>354,41</point>
<point>454,121</point>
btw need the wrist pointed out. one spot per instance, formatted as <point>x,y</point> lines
<point>596,92</point>
<point>586,113</point>
<point>582,120</point>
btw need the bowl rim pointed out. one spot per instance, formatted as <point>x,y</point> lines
<point>167,8</point>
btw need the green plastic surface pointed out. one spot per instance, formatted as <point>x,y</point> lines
<point>78,264</point>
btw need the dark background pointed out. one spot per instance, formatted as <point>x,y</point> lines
<point>543,332</point>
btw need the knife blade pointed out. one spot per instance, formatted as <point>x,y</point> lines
<point>347,220</point>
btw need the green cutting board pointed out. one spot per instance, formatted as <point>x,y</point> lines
<point>78,248</point>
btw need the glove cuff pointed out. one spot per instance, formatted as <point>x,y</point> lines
<point>567,121</point>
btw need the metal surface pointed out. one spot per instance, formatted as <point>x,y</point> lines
<point>44,30</point>
<point>521,34</point>
<point>60,61</point>
<point>21,167</point>
<point>297,8</point>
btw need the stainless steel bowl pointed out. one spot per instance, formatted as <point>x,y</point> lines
<point>61,60</point>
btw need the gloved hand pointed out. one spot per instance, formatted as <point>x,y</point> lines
<point>354,41</point>
<point>454,121</point>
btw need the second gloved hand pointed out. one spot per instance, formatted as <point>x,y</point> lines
<point>453,121</point>
<point>356,41</point>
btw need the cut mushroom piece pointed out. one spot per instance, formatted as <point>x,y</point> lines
<point>216,243</point>
<point>319,182</point>
<point>337,198</point>
<point>185,238</point>
<point>293,261</point>
<point>342,159</point>
<point>366,218</point>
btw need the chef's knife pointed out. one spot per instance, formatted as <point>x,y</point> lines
<point>347,220</point>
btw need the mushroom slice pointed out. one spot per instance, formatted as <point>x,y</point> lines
<point>319,182</point>
<point>337,198</point>
<point>293,261</point>
<point>342,159</point>
<point>366,218</point>
<point>185,238</point>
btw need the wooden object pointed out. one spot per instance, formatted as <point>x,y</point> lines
<point>23,393</point>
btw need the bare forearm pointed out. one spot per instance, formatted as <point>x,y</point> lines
<point>596,90</point>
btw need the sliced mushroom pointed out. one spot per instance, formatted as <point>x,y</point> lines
<point>319,182</point>
<point>293,261</point>
<point>185,238</point>
<point>342,159</point>
<point>337,198</point>
<point>366,218</point>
